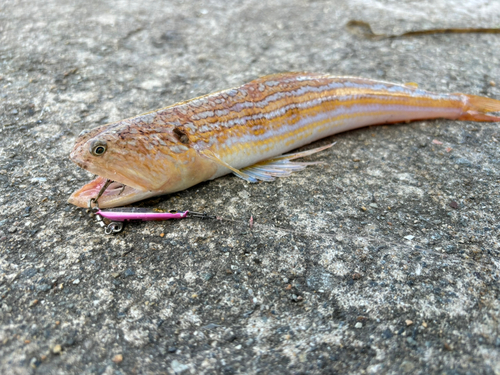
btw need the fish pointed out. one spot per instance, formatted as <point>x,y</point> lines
<point>247,131</point>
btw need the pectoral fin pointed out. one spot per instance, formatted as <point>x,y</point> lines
<point>210,155</point>
<point>268,170</point>
<point>281,166</point>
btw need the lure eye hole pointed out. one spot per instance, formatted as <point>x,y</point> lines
<point>97,148</point>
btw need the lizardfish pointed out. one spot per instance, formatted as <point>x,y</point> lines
<point>243,131</point>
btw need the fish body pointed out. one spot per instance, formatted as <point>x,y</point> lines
<point>243,130</point>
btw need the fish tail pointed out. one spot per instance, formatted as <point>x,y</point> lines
<point>476,108</point>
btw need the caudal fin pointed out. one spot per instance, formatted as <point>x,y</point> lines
<point>477,108</point>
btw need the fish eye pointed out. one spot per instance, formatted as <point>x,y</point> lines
<point>97,148</point>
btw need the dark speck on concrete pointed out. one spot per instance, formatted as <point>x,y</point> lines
<point>30,272</point>
<point>411,341</point>
<point>129,272</point>
<point>207,276</point>
<point>387,334</point>
<point>43,287</point>
<point>463,161</point>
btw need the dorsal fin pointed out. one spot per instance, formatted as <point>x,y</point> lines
<point>411,84</point>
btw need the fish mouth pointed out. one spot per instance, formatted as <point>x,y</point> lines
<point>116,194</point>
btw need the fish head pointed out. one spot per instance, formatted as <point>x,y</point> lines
<point>143,161</point>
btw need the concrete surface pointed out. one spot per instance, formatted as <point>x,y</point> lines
<point>383,260</point>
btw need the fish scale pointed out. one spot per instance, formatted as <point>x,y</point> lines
<point>242,130</point>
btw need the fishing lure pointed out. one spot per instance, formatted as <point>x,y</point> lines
<point>117,216</point>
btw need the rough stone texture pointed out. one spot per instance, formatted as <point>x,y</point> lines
<point>383,260</point>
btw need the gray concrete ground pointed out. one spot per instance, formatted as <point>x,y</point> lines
<point>383,260</point>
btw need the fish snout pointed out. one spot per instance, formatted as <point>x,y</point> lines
<point>76,155</point>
